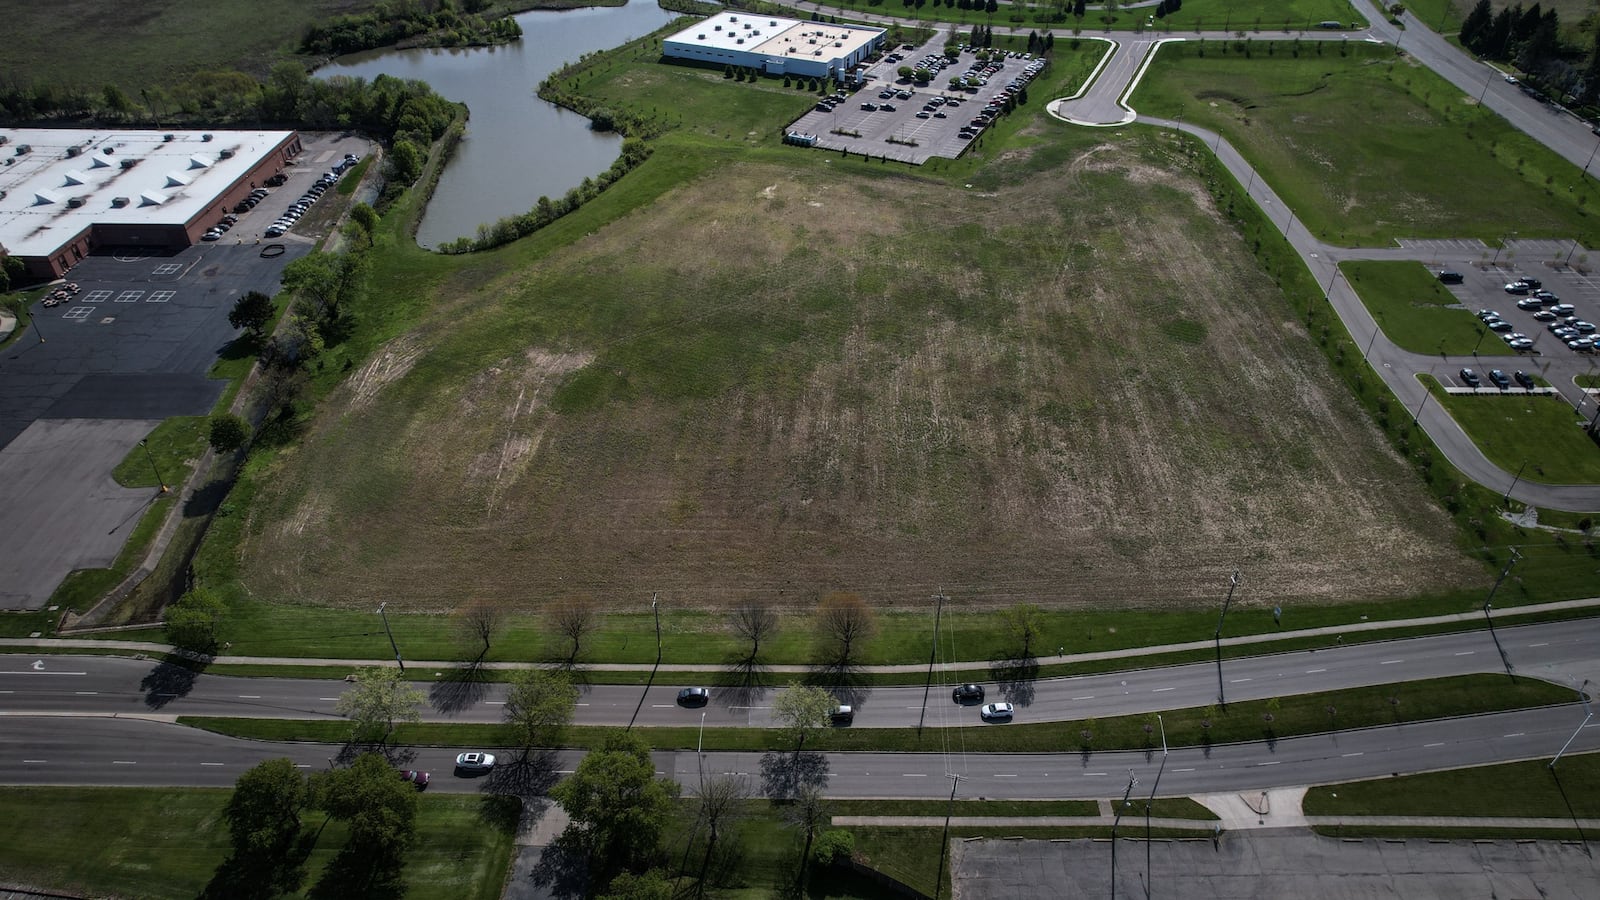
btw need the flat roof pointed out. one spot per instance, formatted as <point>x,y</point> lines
<point>774,36</point>
<point>169,183</point>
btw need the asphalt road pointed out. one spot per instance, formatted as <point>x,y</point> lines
<point>119,751</point>
<point>1562,652</point>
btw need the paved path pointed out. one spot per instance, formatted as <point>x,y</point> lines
<point>155,648</point>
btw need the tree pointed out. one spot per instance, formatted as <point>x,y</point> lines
<point>192,621</point>
<point>1590,92</point>
<point>721,803</point>
<point>836,844</point>
<point>802,709</point>
<point>405,162</point>
<point>753,622</point>
<point>1476,26</point>
<point>1025,624</point>
<point>478,622</point>
<point>316,279</point>
<point>573,619</point>
<point>617,805</point>
<point>381,696</point>
<point>228,432</point>
<point>843,621</point>
<point>807,814</point>
<point>653,884</point>
<point>539,707</point>
<point>263,815</point>
<point>252,312</point>
<point>365,216</point>
<point>380,809</point>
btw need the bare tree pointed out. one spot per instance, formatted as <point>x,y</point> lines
<point>479,622</point>
<point>807,814</point>
<point>843,621</point>
<point>753,622</point>
<point>721,803</point>
<point>1025,623</point>
<point>573,619</point>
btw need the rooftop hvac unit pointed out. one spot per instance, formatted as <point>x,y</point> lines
<point>225,154</point>
<point>119,202</point>
<point>108,150</point>
<point>74,202</point>
<point>206,138</point>
<point>72,152</point>
<point>4,140</point>
<point>24,148</point>
<point>169,138</point>
<point>129,163</point>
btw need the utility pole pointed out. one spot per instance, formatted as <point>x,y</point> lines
<point>1587,715</point>
<point>933,654</point>
<point>1132,782</point>
<point>654,608</point>
<point>1147,803</point>
<point>944,842</point>
<point>1515,555</point>
<point>392,644</point>
<point>1233,583</point>
<point>147,455</point>
<point>1507,498</point>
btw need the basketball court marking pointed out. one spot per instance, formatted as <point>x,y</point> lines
<point>160,296</point>
<point>129,296</point>
<point>96,296</point>
<point>78,312</point>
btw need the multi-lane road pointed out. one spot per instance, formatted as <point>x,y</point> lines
<point>1563,652</point>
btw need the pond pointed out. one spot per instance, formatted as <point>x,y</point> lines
<point>517,147</point>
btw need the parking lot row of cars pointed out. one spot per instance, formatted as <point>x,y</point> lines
<point>1471,379</point>
<point>312,195</point>
<point>1560,318</point>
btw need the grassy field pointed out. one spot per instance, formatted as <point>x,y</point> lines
<point>1415,310</point>
<point>1537,435</point>
<point>1212,15</point>
<point>1522,789</point>
<point>1367,147</point>
<point>1241,721</point>
<point>753,384</point>
<point>166,843</point>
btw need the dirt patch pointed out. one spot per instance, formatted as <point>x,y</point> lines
<point>1077,389</point>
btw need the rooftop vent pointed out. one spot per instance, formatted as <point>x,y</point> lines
<point>74,202</point>
<point>108,150</point>
<point>24,148</point>
<point>72,152</point>
<point>129,163</point>
<point>225,154</point>
<point>119,202</point>
<point>205,137</point>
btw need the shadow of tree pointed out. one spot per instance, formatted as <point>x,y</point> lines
<point>784,774</point>
<point>841,677</point>
<point>207,498</point>
<point>169,681</point>
<point>1015,678</point>
<point>743,682</point>
<point>460,688</point>
<point>562,870</point>
<point>356,872</point>
<point>524,778</point>
<point>256,878</point>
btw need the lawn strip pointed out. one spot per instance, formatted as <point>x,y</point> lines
<point>1535,434</point>
<point>1239,721</point>
<point>1418,313</point>
<point>1464,833</point>
<point>1520,789</point>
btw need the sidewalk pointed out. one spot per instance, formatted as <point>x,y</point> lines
<point>151,647</point>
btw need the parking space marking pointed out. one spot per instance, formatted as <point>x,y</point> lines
<point>166,268</point>
<point>160,296</point>
<point>129,296</point>
<point>96,296</point>
<point>78,312</point>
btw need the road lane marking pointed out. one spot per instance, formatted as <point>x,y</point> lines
<point>1270,762</point>
<point>1515,734</point>
<point>1094,774</point>
<point>661,705</point>
<point>1349,755</point>
<point>333,699</point>
<point>1432,745</point>
<point>211,764</point>
<point>1390,662</point>
<point>40,761</point>
<point>494,703</point>
<point>1315,671</point>
<point>39,672</point>
<point>1466,653</point>
<point>86,693</point>
<point>1545,644</point>
<point>249,696</point>
<point>1240,680</point>
<point>1161,690</point>
<point>1183,770</point>
<point>123,762</point>
<point>1090,697</point>
<point>913,775</point>
<point>7,692</point>
<point>583,704</point>
<point>1005,776</point>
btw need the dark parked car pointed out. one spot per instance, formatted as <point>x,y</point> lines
<point>694,696</point>
<point>418,779</point>
<point>1523,378</point>
<point>1449,277</point>
<point>968,693</point>
<point>1470,378</point>
<point>1499,378</point>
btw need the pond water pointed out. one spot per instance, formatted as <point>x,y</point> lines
<point>517,147</point>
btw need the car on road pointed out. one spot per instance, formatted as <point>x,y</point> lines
<point>968,693</point>
<point>1523,378</point>
<point>417,779</point>
<point>1511,79</point>
<point>843,714</point>
<point>1585,327</point>
<point>1563,309</point>
<point>1499,378</point>
<point>996,712</point>
<point>475,761</point>
<point>696,696</point>
<point>1470,378</point>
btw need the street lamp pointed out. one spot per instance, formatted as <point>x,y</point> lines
<point>1425,395</point>
<point>1507,497</point>
<point>1153,788</point>
<point>147,455</point>
<point>1327,292</point>
<point>700,752</point>
<point>1132,782</point>
<point>1587,715</point>
<point>944,841</point>
<point>392,644</point>
<point>656,609</point>
<point>1233,582</point>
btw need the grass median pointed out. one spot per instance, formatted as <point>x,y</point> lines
<point>1537,435</point>
<point>1528,789</point>
<point>1253,720</point>
<point>1416,312</point>
<point>167,842</point>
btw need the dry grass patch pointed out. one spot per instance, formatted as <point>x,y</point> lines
<point>1076,390</point>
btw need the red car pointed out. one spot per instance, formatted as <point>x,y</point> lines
<point>420,779</point>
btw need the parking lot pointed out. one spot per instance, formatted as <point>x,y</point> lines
<point>895,118</point>
<point>1571,300</point>
<point>321,155</point>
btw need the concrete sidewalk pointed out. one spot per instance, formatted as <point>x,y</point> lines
<point>151,647</point>
<point>1021,821</point>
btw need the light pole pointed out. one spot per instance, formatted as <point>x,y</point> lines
<point>1425,395</point>
<point>1591,157</point>
<point>1153,788</point>
<point>700,751</point>
<point>1132,782</point>
<point>1507,497</point>
<point>1486,82</point>
<point>1504,242</point>
<point>1376,330</point>
<point>944,842</point>
<point>1574,248</point>
<point>933,655</point>
<point>1233,582</point>
<point>392,644</point>
<point>147,455</point>
<point>1587,715</point>
<point>1327,292</point>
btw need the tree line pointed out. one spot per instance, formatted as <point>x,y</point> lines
<point>439,23</point>
<point>1530,39</point>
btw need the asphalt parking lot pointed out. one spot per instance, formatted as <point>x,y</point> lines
<point>320,154</point>
<point>1484,288</point>
<point>898,134</point>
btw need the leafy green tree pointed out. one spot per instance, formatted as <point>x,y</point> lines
<point>192,621</point>
<point>228,432</point>
<point>380,809</point>
<point>1025,625</point>
<point>263,815</point>
<point>539,707</point>
<point>653,884</point>
<point>405,162</point>
<point>802,709</point>
<point>380,697</point>
<point>365,216</point>
<point>252,312</point>
<point>617,805</point>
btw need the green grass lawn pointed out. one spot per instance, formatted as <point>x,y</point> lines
<point>167,842</point>
<point>1416,312</point>
<point>1367,148</point>
<point>1238,721</point>
<point>1196,15</point>
<point>1521,789</point>
<point>1539,436</point>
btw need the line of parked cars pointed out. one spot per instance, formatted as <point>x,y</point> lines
<point>312,195</point>
<point>1471,379</point>
<point>1560,318</point>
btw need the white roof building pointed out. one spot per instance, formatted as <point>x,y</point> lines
<point>776,45</point>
